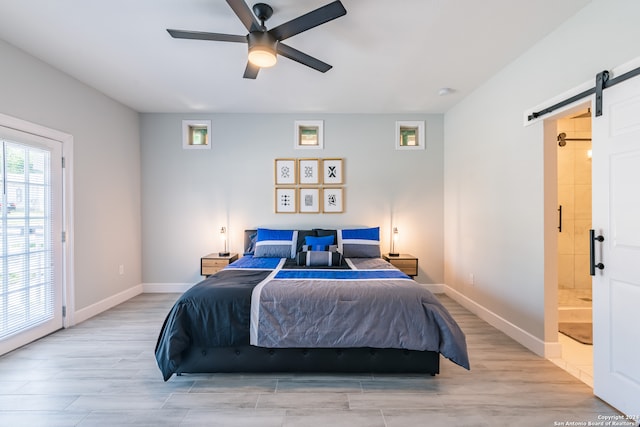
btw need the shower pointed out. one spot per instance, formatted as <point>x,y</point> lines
<point>562,137</point>
<point>574,216</point>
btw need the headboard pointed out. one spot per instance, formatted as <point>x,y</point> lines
<point>248,235</point>
<point>366,244</point>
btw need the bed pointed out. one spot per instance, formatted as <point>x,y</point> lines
<point>309,301</point>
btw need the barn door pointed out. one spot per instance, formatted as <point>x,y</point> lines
<point>616,247</point>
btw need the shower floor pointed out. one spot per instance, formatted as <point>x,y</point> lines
<point>574,305</point>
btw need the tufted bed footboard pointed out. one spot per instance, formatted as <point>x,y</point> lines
<point>252,359</point>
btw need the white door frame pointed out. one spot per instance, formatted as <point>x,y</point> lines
<point>552,347</point>
<point>68,291</point>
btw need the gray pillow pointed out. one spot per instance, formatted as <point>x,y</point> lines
<point>276,243</point>
<point>319,258</point>
<point>359,242</point>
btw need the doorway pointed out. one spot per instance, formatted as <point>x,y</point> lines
<point>574,222</point>
<point>614,239</point>
<point>31,245</point>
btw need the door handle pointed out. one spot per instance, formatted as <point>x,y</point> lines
<point>559,218</point>
<point>592,252</point>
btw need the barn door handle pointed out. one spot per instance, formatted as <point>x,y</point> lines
<point>592,252</point>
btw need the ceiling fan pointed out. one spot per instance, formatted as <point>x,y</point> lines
<point>263,44</point>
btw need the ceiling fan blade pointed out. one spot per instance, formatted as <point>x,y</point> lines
<point>251,72</point>
<point>307,21</point>
<point>302,58</point>
<point>199,35</point>
<point>244,13</point>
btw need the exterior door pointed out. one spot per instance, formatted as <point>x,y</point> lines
<point>30,238</point>
<point>616,217</point>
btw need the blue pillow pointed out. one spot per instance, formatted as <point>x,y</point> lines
<point>275,243</point>
<point>319,241</point>
<point>359,242</point>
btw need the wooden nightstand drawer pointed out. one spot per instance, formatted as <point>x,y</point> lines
<point>210,266</point>
<point>406,263</point>
<point>212,263</point>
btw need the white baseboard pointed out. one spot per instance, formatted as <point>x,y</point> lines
<point>436,288</point>
<point>552,350</point>
<point>104,305</point>
<point>161,288</point>
<point>544,349</point>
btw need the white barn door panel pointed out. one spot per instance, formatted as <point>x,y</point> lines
<point>616,217</point>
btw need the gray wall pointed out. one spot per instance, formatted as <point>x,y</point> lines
<point>494,208</point>
<point>106,168</point>
<point>187,195</point>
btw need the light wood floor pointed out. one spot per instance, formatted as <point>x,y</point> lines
<point>103,373</point>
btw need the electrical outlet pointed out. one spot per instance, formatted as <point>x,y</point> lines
<point>121,269</point>
<point>471,279</point>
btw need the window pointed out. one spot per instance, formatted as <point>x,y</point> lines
<point>196,134</point>
<point>410,135</point>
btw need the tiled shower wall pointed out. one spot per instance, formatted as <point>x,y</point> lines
<point>574,194</point>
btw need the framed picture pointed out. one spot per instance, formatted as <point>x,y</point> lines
<point>308,134</point>
<point>309,200</point>
<point>309,171</point>
<point>285,200</point>
<point>196,134</point>
<point>285,171</point>
<point>332,172</point>
<point>332,200</point>
<point>410,135</point>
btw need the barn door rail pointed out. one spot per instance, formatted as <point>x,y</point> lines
<point>602,82</point>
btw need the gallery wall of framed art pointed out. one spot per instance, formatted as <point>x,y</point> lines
<point>309,185</point>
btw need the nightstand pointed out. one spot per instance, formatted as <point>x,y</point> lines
<point>212,263</point>
<point>406,263</point>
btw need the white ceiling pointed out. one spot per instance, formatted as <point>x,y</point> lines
<point>387,56</point>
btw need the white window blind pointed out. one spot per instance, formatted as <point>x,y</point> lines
<point>26,258</point>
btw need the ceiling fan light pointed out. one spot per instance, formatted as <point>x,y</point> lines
<point>262,56</point>
<point>262,49</point>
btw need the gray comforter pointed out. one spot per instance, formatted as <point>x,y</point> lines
<point>371,305</point>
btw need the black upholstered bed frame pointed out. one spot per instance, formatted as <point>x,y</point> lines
<point>251,359</point>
